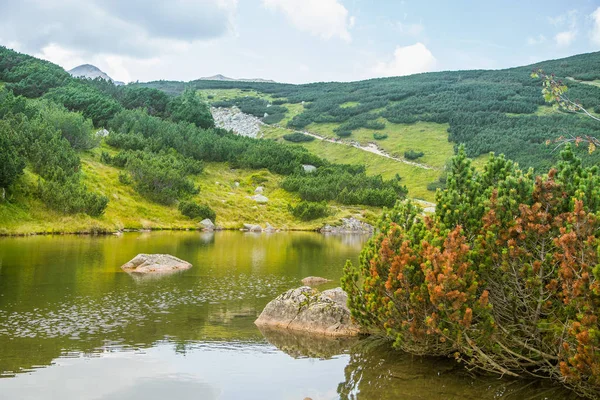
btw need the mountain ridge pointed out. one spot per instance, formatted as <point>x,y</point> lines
<point>91,72</point>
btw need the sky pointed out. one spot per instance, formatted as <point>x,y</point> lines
<point>297,41</point>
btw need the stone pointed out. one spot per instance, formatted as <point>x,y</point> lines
<point>308,310</point>
<point>252,228</point>
<point>102,133</point>
<point>259,198</point>
<point>155,264</point>
<point>314,281</point>
<point>349,225</point>
<point>309,168</point>
<point>237,184</point>
<point>269,228</point>
<point>259,190</point>
<point>236,121</point>
<point>207,224</point>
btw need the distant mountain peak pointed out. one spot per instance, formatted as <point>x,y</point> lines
<point>220,77</point>
<point>91,72</point>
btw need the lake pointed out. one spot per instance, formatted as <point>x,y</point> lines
<point>73,325</point>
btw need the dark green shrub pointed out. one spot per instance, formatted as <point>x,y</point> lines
<point>197,211</point>
<point>298,137</point>
<point>380,136</point>
<point>71,197</point>
<point>413,155</point>
<point>307,210</point>
<point>189,107</point>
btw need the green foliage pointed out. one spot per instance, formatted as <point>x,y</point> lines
<point>307,210</point>
<point>500,277</point>
<point>189,107</point>
<point>11,162</point>
<point>93,104</point>
<point>70,197</point>
<point>486,110</point>
<point>196,211</point>
<point>29,76</point>
<point>413,155</point>
<point>346,184</point>
<point>155,102</point>
<point>380,136</point>
<point>73,126</point>
<point>160,177</point>
<point>298,137</point>
<point>33,131</point>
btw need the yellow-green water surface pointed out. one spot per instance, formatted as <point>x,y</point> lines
<point>73,325</point>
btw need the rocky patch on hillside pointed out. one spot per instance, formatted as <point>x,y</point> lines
<point>234,120</point>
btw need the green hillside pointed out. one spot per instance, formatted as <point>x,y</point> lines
<point>162,166</point>
<point>500,111</point>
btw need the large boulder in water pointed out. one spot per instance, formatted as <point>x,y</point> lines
<point>155,264</point>
<point>308,310</point>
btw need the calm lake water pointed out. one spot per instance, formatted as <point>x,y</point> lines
<point>73,325</point>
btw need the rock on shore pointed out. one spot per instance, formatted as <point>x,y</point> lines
<point>349,225</point>
<point>155,264</point>
<point>308,310</point>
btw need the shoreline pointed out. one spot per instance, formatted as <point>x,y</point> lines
<point>126,230</point>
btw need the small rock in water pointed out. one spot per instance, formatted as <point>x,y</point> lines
<point>155,263</point>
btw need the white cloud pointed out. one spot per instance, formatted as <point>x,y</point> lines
<point>410,29</point>
<point>139,28</point>
<point>564,39</point>
<point>567,19</point>
<point>407,60</point>
<point>535,40</point>
<point>595,34</point>
<point>323,18</point>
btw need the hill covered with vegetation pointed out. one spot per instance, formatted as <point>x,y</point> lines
<point>62,171</point>
<point>498,111</point>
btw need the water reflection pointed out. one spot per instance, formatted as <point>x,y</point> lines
<point>70,314</point>
<point>303,345</point>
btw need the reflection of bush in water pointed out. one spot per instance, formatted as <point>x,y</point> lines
<point>201,239</point>
<point>307,243</point>
<point>301,344</point>
<point>377,371</point>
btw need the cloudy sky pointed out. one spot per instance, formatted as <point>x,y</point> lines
<point>297,40</point>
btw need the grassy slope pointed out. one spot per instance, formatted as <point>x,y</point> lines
<point>430,138</point>
<point>128,209</point>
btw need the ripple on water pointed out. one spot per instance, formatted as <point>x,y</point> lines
<point>76,317</point>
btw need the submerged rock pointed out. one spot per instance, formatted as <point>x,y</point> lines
<point>314,281</point>
<point>308,310</point>
<point>155,264</point>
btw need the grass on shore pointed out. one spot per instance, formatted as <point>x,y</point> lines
<point>25,214</point>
